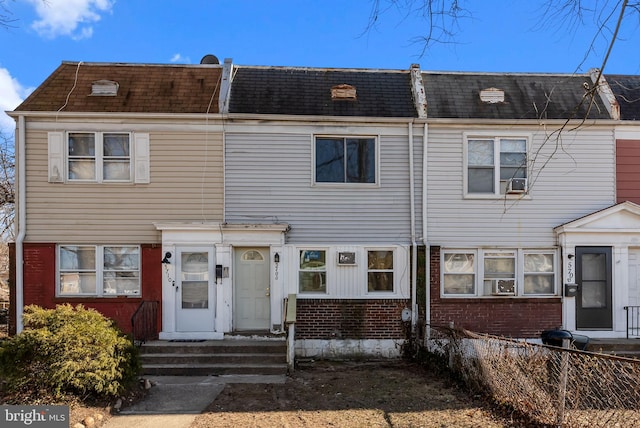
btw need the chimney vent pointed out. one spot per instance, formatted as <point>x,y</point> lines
<point>343,92</point>
<point>492,95</point>
<point>107,88</point>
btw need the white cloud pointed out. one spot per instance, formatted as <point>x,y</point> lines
<point>178,58</point>
<point>69,17</point>
<point>11,95</point>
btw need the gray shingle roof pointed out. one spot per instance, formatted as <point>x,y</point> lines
<point>526,96</point>
<point>300,91</point>
<point>627,92</point>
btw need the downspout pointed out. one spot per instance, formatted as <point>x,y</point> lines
<point>414,245</point>
<point>22,223</point>
<point>425,138</point>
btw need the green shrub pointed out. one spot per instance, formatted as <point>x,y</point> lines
<point>69,350</point>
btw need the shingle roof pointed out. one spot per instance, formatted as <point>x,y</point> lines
<point>300,91</point>
<point>142,89</point>
<point>526,96</point>
<point>627,92</point>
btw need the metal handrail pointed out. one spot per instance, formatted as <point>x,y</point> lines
<point>144,322</point>
<point>633,320</point>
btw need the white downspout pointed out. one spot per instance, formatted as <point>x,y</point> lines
<point>425,138</point>
<point>414,245</point>
<point>22,223</point>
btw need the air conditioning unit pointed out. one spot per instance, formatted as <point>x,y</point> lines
<point>504,287</point>
<point>517,185</point>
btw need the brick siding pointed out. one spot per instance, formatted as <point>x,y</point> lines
<point>350,319</point>
<point>512,317</point>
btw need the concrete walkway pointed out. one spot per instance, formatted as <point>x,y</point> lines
<point>175,401</point>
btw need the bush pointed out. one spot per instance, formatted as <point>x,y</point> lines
<point>69,350</point>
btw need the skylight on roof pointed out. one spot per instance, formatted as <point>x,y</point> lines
<point>104,88</point>
<point>492,95</point>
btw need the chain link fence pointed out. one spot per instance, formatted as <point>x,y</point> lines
<point>550,386</point>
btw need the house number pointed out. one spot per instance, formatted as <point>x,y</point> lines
<point>570,271</point>
<point>275,272</point>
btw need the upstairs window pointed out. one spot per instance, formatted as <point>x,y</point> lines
<point>99,156</point>
<point>496,166</point>
<point>345,160</point>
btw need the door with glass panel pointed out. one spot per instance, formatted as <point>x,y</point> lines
<point>195,290</point>
<point>252,292</point>
<point>594,298</point>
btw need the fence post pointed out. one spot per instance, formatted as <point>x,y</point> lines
<point>562,387</point>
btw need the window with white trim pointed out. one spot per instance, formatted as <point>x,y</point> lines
<point>345,160</point>
<point>496,165</point>
<point>98,270</point>
<point>380,271</point>
<point>493,272</point>
<point>98,157</point>
<point>312,273</point>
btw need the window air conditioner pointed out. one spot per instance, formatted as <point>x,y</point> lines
<point>504,287</point>
<point>517,185</point>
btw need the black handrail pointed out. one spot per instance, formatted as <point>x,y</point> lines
<point>633,320</point>
<point>144,322</point>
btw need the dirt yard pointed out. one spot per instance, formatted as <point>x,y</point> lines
<point>352,394</point>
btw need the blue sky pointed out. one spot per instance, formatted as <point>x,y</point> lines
<point>500,36</point>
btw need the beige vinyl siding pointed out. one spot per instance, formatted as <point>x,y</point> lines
<point>578,179</point>
<point>186,185</point>
<point>269,178</point>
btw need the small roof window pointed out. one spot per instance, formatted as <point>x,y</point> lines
<point>343,92</point>
<point>492,95</point>
<point>104,88</point>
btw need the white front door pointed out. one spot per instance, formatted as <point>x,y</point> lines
<point>195,290</point>
<point>252,293</point>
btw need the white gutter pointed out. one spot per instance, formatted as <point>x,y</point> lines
<point>425,138</point>
<point>414,245</point>
<point>22,222</point>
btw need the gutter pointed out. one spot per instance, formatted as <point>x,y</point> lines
<point>427,270</point>
<point>22,223</point>
<point>414,245</point>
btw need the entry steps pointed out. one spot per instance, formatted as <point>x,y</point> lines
<point>629,348</point>
<point>214,357</point>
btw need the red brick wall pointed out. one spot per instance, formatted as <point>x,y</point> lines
<point>512,317</point>
<point>40,284</point>
<point>627,171</point>
<point>350,319</point>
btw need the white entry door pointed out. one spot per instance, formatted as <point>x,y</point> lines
<point>195,292</point>
<point>252,293</point>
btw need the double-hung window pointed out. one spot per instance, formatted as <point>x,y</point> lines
<point>498,272</point>
<point>496,165</point>
<point>312,273</point>
<point>380,270</point>
<point>98,270</point>
<point>99,156</point>
<point>345,160</point>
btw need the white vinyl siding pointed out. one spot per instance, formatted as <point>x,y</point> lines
<point>270,177</point>
<point>564,184</point>
<point>187,185</point>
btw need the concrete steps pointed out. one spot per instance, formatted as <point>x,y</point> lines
<point>214,357</point>
<point>629,348</point>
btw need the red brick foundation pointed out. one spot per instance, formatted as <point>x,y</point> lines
<point>512,317</point>
<point>350,319</point>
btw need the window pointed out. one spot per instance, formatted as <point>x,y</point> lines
<point>312,275</point>
<point>345,160</point>
<point>494,163</point>
<point>380,270</point>
<point>98,156</point>
<point>500,272</point>
<point>90,270</point>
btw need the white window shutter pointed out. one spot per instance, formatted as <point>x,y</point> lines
<point>141,153</point>
<point>56,157</point>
